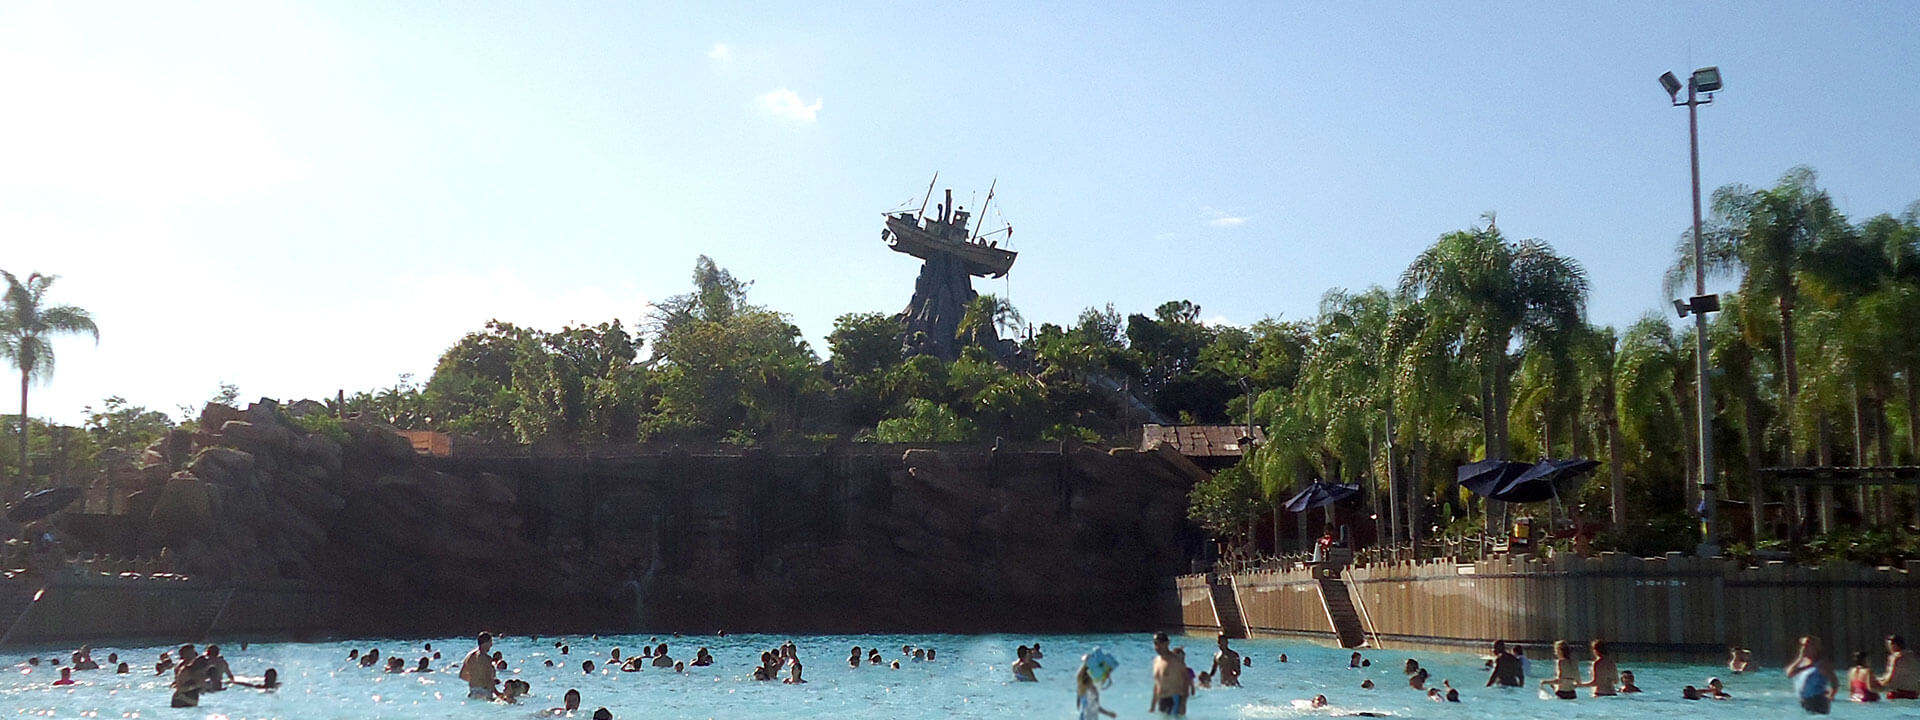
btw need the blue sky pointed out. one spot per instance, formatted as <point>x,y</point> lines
<point>302,197</point>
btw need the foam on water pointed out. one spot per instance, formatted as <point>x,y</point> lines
<point>970,679</point>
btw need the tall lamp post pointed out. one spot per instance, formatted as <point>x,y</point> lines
<point>1704,80</point>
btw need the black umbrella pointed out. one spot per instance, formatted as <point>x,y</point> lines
<point>1543,481</point>
<point>1320,494</point>
<point>41,504</point>
<point>1488,478</point>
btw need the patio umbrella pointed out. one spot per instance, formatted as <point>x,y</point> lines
<point>1320,494</point>
<point>1488,478</point>
<point>41,504</point>
<point>1542,481</point>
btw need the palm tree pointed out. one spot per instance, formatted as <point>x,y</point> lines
<point>1766,236</point>
<point>1493,291</point>
<point>27,325</point>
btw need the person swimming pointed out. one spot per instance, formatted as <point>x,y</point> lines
<point>1023,665</point>
<point>1626,682</point>
<point>569,703</point>
<point>702,658</point>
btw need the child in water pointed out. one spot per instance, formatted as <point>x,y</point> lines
<point>1089,696</point>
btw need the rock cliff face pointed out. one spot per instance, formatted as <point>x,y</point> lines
<point>847,538</point>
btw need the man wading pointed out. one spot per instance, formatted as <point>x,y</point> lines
<point>477,670</point>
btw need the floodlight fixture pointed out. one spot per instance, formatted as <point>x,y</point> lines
<point>1672,84</point>
<point>1707,79</point>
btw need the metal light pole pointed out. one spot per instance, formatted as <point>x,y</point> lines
<point>1705,80</point>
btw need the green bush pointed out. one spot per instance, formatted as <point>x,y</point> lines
<point>321,424</point>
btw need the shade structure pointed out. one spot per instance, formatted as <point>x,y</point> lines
<point>41,504</point>
<point>1488,478</point>
<point>1545,479</point>
<point>1320,494</point>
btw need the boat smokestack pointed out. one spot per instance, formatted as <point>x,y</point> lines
<point>948,212</point>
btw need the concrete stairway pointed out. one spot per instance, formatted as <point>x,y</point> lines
<point>1341,613</point>
<point>1226,609</point>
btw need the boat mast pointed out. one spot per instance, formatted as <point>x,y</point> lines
<point>923,201</point>
<point>983,209</point>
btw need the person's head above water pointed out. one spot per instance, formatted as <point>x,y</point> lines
<point>571,700</point>
<point>603,714</point>
<point>485,640</point>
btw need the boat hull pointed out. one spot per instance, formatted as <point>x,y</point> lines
<point>905,235</point>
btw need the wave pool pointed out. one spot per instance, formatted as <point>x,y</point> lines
<point>968,679</point>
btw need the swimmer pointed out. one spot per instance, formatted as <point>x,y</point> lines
<point>1506,668</point>
<point>602,714</point>
<point>1353,661</point>
<point>919,655</point>
<point>1283,657</point>
<point>1366,684</point>
<point>549,662</point>
<point>614,659</point>
<point>1716,690</point>
<point>270,681</point>
<point>366,660</point>
<point>681,667</point>
<point>1689,693</point>
<point>1813,679</point>
<point>1626,682</point>
<point>121,669</point>
<point>702,658</point>
<point>396,665</point>
<point>1226,663</point>
<point>1023,665</point>
<point>660,658</point>
<point>1739,659</point>
<point>422,667</point>
<point>1601,672</point>
<point>478,670</point>
<point>1566,675</point>
<point>1418,680</point>
<point>188,682</point>
<point>1319,701</point>
<point>512,690</point>
<point>1088,696</point>
<point>1411,667</point>
<point>221,673</point>
<point>1035,652</point>
<point>1205,680</point>
<point>66,676</point>
<point>929,654</point>
<point>1434,695</point>
<point>794,678</point>
<point>896,665</point>
<point>853,660</point>
<point>568,703</point>
<point>586,666</point>
<point>1902,681</point>
<point>352,654</point>
<point>1170,683</point>
<point>873,657</point>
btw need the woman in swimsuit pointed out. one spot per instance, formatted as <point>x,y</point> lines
<point>1860,680</point>
<point>1813,678</point>
<point>1566,675</point>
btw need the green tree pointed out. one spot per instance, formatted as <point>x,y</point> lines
<point>120,424</point>
<point>1491,291</point>
<point>925,422</point>
<point>27,326</point>
<point>724,366</point>
<point>1765,237</point>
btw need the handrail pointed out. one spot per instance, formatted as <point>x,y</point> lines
<point>1366,616</point>
<point>217,614</point>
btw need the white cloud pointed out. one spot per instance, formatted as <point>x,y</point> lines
<point>1221,218</point>
<point>720,52</point>
<point>1218,321</point>
<point>787,103</point>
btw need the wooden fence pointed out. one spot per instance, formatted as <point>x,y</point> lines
<point>1670,607</point>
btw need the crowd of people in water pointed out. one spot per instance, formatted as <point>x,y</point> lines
<point>1811,673</point>
<point>195,673</point>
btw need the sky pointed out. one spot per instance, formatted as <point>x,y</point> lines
<point>300,198</point>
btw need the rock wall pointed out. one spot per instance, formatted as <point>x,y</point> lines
<point>851,538</point>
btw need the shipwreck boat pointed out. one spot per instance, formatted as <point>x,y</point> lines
<point>946,234</point>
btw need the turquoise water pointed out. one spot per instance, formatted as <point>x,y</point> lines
<point>969,679</point>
